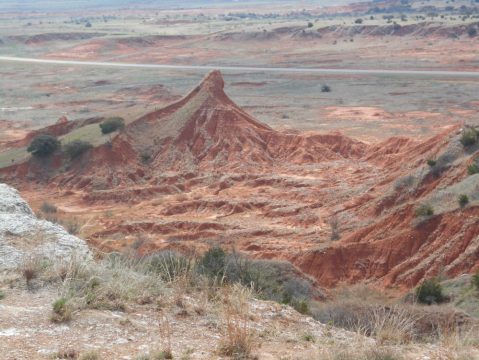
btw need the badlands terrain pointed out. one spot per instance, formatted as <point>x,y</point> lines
<point>330,198</point>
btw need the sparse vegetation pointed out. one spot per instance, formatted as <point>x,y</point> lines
<point>62,311</point>
<point>473,169</point>
<point>112,124</point>
<point>431,162</point>
<point>475,280</point>
<point>145,157</point>
<point>237,339</point>
<point>308,337</point>
<point>90,355</point>
<point>30,269</point>
<point>2,295</point>
<point>43,145</point>
<point>469,137</point>
<point>48,208</point>
<point>156,355</point>
<point>405,182</point>
<point>430,292</point>
<point>335,230</point>
<point>169,264</point>
<point>424,210</point>
<point>463,200</point>
<point>76,148</point>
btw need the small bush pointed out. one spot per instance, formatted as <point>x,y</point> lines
<point>30,269</point>
<point>112,124</point>
<point>429,292</point>
<point>213,263</point>
<point>168,264</point>
<point>145,157</point>
<point>301,306</point>
<point>463,200</point>
<point>48,208</point>
<point>62,311</point>
<point>431,162</point>
<point>404,182</point>
<point>358,21</point>
<point>77,148</point>
<point>310,24</point>
<point>2,295</point>
<point>472,31</point>
<point>424,210</point>
<point>72,227</point>
<point>43,145</point>
<point>469,137</point>
<point>473,169</point>
<point>325,88</point>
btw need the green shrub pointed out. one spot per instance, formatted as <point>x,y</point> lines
<point>473,169</point>
<point>2,295</point>
<point>469,137</point>
<point>325,88</point>
<point>463,200</point>
<point>301,306</point>
<point>61,310</point>
<point>112,124</point>
<point>76,148</point>
<point>424,210</point>
<point>213,263</point>
<point>431,162</point>
<point>43,145</point>
<point>145,157</point>
<point>358,21</point>
<point>429,292</point>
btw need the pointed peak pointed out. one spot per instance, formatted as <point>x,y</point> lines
<point>214,81</point>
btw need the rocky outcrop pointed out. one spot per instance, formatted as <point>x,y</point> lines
<point>22,235</point>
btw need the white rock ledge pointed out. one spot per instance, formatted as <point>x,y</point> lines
<point>23,235</point>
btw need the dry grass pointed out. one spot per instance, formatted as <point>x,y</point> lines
<point>237,336</point>
<point>116,282</point>
<point>165,337</point>
<point>393,325</point>
<point>61,311</point>
<point>91,355</point>
<point>396,328</point>
<point>357,350</point>
<point>31,268</point>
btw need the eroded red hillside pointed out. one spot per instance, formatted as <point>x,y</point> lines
<point>203,171</point>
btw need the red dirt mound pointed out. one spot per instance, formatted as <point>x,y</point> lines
<point>207,130</point>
